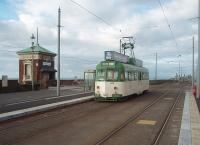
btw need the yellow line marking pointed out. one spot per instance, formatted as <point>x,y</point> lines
<point>168,98</point>
<point>147,122</point>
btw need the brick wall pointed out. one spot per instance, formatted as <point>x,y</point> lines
<point>12,86</point>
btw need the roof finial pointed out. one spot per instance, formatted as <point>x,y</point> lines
<point>37,37</point>
<point>32,39</point>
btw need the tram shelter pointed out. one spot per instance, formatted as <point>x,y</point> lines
<point>89,80</point>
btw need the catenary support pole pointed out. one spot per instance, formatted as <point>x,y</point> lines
<point>179,68</point>
<point>193,62</point>
<point>58,55</point>
<point>156,69</point>
<point>198,61</point>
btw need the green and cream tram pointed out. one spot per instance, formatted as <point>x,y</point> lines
<point>118,78</point>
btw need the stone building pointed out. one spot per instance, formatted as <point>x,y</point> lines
<point>43,66</point>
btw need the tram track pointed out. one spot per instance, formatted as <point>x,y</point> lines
<point>136,116</point>
<point>42,116</point>
<point>65,116</point>
<point>162,129</point>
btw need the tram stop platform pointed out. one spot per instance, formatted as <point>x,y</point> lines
<point>190,125</point>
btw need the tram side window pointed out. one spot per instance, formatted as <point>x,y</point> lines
<point>126,75</point>
<point>129,76</point>
<point>140,75</point>
<point>122,76</point>
<point>135,76</point>
<point>145,76</point>
<point>132,76</point>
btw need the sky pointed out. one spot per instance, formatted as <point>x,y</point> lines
<point>84,38</point>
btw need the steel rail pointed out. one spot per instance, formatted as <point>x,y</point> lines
<point>159,134</point>
<point>132,118</point>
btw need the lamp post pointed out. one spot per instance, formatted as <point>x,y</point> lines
<point>156,68</point>
<point>179,68</point>
<point>58,73</point>
<point>198,62</point>
<point>192,62</point>
<point>32,68</point>
<point>174,63</point>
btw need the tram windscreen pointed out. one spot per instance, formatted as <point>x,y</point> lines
<point>109,75</point>
<point>112,75</point>
<point>101,75</point>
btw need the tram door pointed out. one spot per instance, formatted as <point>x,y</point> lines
<point>89,80</point>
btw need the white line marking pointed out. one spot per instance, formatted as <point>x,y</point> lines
<point>35,100</point>
<point>28,111</point>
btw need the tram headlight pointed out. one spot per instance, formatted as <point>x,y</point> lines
<point>115,88</point>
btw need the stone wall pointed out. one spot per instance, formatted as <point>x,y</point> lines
<point>14,86</point>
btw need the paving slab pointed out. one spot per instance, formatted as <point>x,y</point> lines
<point>190,126</point>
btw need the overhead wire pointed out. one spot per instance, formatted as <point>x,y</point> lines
<point>79,59</point>
<point>98,17</point>
<point>74,59</point>
<point>168,24</point>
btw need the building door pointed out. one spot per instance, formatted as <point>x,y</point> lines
<point>45,80</point>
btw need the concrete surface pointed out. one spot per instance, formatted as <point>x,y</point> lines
<point>190,127</point>
<point>22,100</point>
<point>29,111</point>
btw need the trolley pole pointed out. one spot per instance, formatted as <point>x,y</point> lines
<point>58,61</point>
<point>198,62</point>
<point>156,70</point>
<point>192,62</point>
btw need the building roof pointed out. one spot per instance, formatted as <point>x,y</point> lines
<point>37,50</point>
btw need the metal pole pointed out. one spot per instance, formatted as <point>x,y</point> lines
<point>37,37</point>
<point>193,62</point>
<point>179,69</point>
<point>58,61</point>
<point>32,71</point>
<point>198,62</point>
<point>32,68</point>
<point>120,47</point>
<point>84,83</point>
<point>156,71</point>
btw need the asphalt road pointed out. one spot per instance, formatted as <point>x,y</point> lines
<point>22,100</point>
<point>87,123</point>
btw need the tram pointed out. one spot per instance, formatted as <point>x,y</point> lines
<point>120,76</point>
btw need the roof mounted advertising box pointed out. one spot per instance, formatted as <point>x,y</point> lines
<point>113,55</point>
<point>138,62</point>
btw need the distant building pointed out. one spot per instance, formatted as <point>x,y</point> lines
<point>43,66</point>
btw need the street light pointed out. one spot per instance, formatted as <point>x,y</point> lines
<point>179,68</point>
<point>32,68</point>
<point>172,61</point>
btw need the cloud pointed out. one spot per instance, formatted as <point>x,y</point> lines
<point>84,38</point>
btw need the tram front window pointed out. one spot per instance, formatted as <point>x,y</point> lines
<point>112,75</point>
<point>101,75</point>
